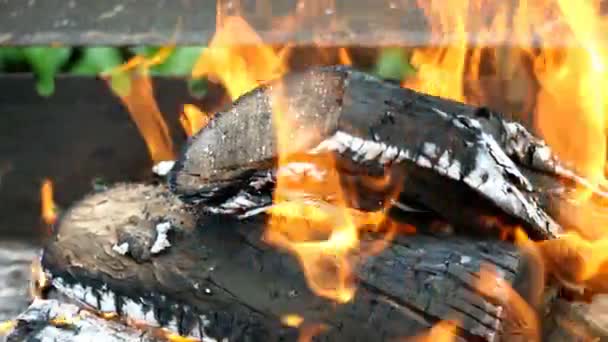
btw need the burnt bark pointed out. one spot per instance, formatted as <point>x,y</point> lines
<point>218,276</point>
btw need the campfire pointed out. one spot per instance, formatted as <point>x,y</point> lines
<point>318,201</point>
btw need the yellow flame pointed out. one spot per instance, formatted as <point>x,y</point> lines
<point>39,280</point>
<point>239,68</point>
<point>48,206</point>
<point>523,318</point>
<point>292,320</point>
<point>178,338</point>
<point>444,331</point>
<point>193,119</point>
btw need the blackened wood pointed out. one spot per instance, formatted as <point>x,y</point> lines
<point>221,269</point>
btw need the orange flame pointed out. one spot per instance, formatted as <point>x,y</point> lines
<point>239,68</point>
<point>324,235</point>
<point>569,112</point>
<point>444,331</point>
<point>142,106</point>
<point>193,119</point>
<point>292,320</point>
<point>48,207</point>
<point>522,318</point>
<point>344,57</point>
<point>576,128</point>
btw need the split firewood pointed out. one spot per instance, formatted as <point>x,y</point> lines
<point>438,153</point>
<point>138,251</point>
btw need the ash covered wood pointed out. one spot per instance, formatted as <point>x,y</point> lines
<point>218,279</point>
<point>53,321</point>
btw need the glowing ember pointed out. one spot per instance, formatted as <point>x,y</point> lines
<point>193,119</point>
<point>292,320</point>
<point>48,207</point>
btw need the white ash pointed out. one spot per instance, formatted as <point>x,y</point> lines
<point>121,249</point>
<point>492,174</point>
<point>465,259</point>
<point>441,113</point>
<point>407,208</point>
<point>162,168</point>
<point>162,238</point>
<point>139,310</point>
<point>430,150</point>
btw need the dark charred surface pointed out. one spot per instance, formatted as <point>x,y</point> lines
<point>474,152</point>
<point>219,268</point>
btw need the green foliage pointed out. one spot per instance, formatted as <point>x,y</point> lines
<point>180,62</point>
<point>97,60</point>
<point>10,58</point>
<point>393,63</point>
<point>45,63</point>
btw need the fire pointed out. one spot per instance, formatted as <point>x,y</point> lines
<point>173,337</point>
<point>48,206</point>
<point>193,119</point>
<point>444,331</point>
<point>344,57</point>
<point>139,100</point>
<point>324,233</point>
<point>239,68</point>
<point>441,69</point>
<point>523,318</point>
<point>325,249</point>
<point>569,109</point>
<point>575,260</point>
<point>292,320</point>
<point>579,73</point>
<point>39,280</point>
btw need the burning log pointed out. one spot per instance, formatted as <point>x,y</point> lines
<point>50,320</point>
<point>435,152</point>
<point>138,251</point>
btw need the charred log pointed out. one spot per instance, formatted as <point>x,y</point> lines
<point>375,127</point>
<point>138,251</point>
<point>53,321</point>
